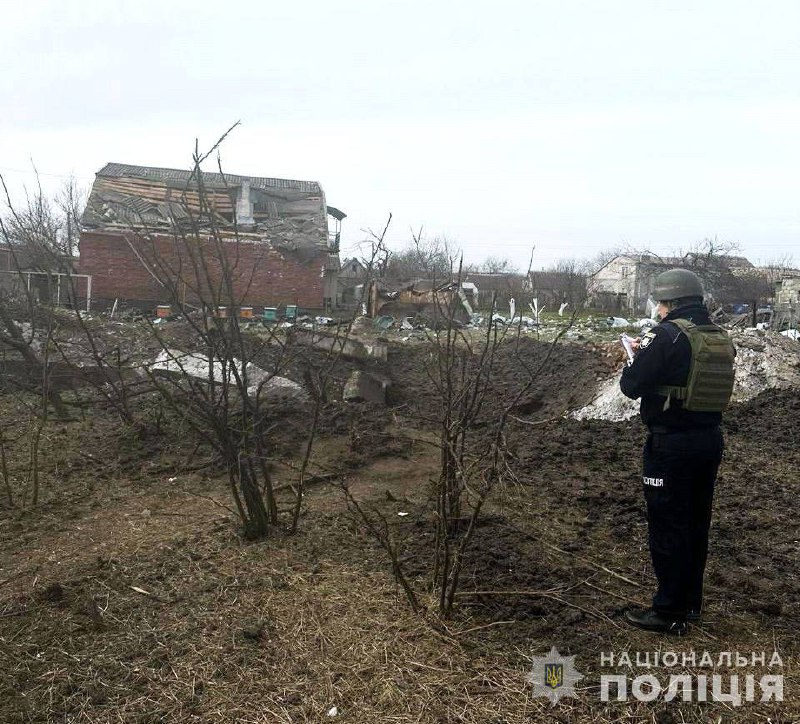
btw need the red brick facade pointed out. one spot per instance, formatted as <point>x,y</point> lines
<point>127,266</point>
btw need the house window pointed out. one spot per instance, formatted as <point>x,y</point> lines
<point>626,270</point>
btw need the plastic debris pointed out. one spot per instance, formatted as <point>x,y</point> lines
<point>536,309</point>
<point>384,322</point>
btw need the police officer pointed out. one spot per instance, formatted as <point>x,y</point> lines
<point>681,457</point>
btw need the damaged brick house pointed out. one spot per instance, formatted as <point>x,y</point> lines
<point>143,224</point>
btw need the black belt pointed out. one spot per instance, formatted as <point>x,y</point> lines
<point>662,430</point>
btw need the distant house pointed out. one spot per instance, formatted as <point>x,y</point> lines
<point>625,283</point>
<point>9,260</point>
<point>42,275</point>
<point>352,276</point>
<point>501,286</point>
<point>275,234</point>
<point>27,257</point>
<point>787,289</point>
<point>552,288</point>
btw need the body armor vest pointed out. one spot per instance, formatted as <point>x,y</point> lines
<point>709,385</point>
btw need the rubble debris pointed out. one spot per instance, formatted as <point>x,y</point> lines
<point>384,321</point>
<point>610,404</point>
<point>425,297</point>
<point>365,387</point>
<point>764,361</point>
<point>348,346</point>
<point>262,383</point>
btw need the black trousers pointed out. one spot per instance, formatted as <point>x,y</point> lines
<point>679,472</point>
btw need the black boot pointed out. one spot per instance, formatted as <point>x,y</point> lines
<point>651,620</point>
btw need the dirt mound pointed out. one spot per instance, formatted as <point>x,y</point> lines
<point>773,418</point>
<point>763,361</point>
<point>565,377</point>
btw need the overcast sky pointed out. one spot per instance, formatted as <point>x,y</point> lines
<point>570,125</point>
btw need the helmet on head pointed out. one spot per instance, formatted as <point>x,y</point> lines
<point>677,284</point>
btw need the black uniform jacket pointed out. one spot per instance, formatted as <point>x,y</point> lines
<point>663,359</point>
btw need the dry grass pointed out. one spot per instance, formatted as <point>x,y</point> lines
<point>167,616</point>
<point>195,627</point>
<point>130,600</point>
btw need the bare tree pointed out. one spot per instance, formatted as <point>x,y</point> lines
<point>474,457</point>
<point>45,230</point>
<point>228,387</point>
<point>493,265</point>
<point>424,257</point>
<point>599,260</point>
<point>30,235</point>
<point>27,326</point>
<point>376,261</point>
<point>235,400</point>
<point>563,282</point>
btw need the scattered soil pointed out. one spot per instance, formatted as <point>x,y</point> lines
<point>128,594</point>
<point>564,378</point>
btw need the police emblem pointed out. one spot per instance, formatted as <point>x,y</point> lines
<point>647,337</point>
<point>554,676</point>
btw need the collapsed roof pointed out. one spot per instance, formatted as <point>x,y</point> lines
<point>284,212</point>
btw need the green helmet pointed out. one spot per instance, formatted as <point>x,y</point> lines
<point>677,284</point>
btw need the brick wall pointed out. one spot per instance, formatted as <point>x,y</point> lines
<point>121,265</point>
